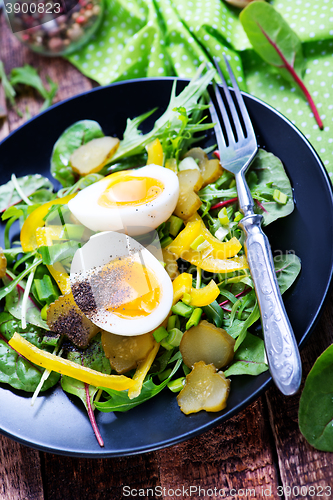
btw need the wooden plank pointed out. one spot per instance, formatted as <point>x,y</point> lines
<point>72,478</point>
<point>20,472</point>
<point>234,460</point>
<point>14,54</point>
<point>300,464</point>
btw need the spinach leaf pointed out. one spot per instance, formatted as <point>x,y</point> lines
<point>119,400</point>
<point>270,171</point>
<point>29,184</point>
<point>14,306</point>
<point>15,370</point>
<point>93,357</point>
<point>287,268</point>
<point>274,40</point>
<point>72,138</point>
<point>265,175</point>
<point>315,414</point>
<point>249,358</point>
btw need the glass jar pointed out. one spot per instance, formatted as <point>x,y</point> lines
<point>55,29</point>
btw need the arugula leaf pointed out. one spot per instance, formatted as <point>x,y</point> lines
<point>274,40</point>
<point>249,358</point>
<point>72,138</point>
<point>15,370</point>
<point>119,400</point>
<point>27,75</point>
<point>10,287</point>
<point>8,88</point>
<point>134,141</point>
<point>29,184</point>
<point>315,415</point>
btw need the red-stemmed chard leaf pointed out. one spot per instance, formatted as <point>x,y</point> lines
<point>277,44</point>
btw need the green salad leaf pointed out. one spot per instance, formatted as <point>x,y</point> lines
<point>72,138</point>
<point>14,306</point>
<point>315,415</point>
<point>93,357</point>
<point>134,142</point>
<point>14,369</point>
<point>249,358</point>
<point>287,268</point>
<point>265,175</point>
<point>119,400</point>
<point>29,184</point>
<point>7,86</point>
<point>275,41</point>
<point>27,75</point>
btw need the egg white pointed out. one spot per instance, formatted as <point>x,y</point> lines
<point>99,251</point>
<point>130,219</point>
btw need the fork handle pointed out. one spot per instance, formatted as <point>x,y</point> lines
<point>280,344</point>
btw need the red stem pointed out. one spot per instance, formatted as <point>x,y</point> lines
<point>224,203</point>
<point>297,79</point>
<point>92,417</point>
<point>244,292</point>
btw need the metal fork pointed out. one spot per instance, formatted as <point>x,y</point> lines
<point>237,149</point>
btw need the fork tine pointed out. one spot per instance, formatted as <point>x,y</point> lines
<point>230,101</point>
<point>240,100</point>
<point>217,127</point>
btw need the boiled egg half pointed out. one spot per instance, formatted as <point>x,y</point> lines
<point>119,285</point>
<point>134,202</point>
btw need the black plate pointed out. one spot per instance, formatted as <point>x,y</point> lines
<point>60,425</point>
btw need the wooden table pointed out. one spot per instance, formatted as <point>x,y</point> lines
<point>259,453</point>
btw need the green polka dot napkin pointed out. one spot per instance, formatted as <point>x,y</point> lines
<point>152,38</point>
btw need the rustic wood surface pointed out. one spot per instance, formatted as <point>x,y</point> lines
<point>259,453</point>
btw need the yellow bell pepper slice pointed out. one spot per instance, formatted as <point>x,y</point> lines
<point>182,284</point>
<point>184,239</point>
<point>45,237</point>
<point>54,363</point>
<point>36,220</point>
<point>216,256</point>
<point>155,153</point>
<point>141,372</point>
<point>212,265</point>
<point>204,296</point>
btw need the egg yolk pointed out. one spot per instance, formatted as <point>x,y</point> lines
<point>126,189</point>
<point>133,289</point>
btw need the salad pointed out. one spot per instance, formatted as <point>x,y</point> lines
<point>131,279</point>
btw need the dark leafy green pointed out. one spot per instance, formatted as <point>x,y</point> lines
<point>29,184</point>
<point>119,400</point>
<point>315,414</point>
<point>274,40</point>
<point>250,358</point>
<point>75,136</point>
<point>58,251</point>
<point>14,369</point>
<point>27,75</point>
<point>266,174</point>
<point>287,267</point>
<point>14,306</point>
<point>93,357</point>
<point>8,88</point>
<point>134,141</point>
